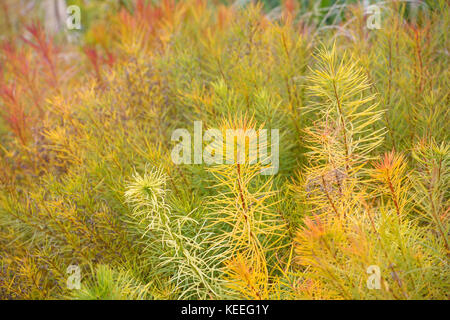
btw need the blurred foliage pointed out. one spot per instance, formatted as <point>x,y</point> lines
<point>87,179</point>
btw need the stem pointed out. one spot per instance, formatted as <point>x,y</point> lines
<point>341,117</point>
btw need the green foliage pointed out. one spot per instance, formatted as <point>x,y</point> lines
<point>108,284</point>
<point>87,178</point>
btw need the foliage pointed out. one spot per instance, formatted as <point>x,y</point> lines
<point>87,178</point>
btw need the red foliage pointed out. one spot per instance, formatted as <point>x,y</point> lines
<point>27,74</point>
<point>45,48</point>
<point>288,10</point>
<point>97,60</point>
<point>14,114</point>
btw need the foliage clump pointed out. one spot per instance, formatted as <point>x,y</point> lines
<point>87,178</point>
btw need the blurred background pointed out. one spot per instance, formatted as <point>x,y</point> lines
<point>14,14</point>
